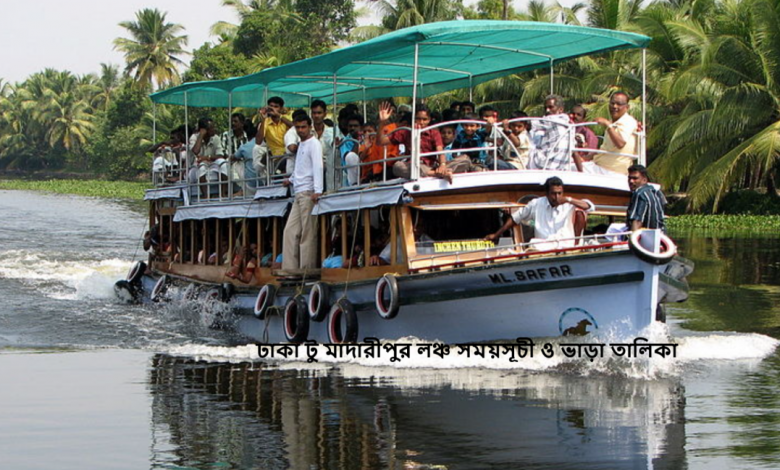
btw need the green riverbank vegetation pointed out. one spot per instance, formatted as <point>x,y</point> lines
<point>93,188</point>
<point>713,88</point>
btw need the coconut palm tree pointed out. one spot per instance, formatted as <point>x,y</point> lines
<point>399,14</point>
<point>107,83</point>
<point>726,134</point>
<point>152,50</point>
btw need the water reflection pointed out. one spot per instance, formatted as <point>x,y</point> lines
<point>736,284</point>
<point>252,415</point>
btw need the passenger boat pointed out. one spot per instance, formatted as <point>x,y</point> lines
<point>452,286</point>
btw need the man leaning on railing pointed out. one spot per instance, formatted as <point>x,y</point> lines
<point>620,136</point>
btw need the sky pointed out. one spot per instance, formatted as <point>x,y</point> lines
<point>78,35</point>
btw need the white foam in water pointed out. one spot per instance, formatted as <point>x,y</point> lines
<point>690,349</point>
<point>66,280</point>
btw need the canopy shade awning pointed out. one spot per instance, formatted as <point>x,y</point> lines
<point>451,55</point>
<point>356,200</point>
<point>249,210</point>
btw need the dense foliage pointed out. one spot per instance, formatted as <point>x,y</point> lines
<point>713,96</point>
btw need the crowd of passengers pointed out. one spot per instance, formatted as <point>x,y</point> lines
<point>306,145</point>
<point>448,147</point>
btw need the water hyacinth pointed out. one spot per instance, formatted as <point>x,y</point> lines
<point>92,188</point>
<point>730,222</point>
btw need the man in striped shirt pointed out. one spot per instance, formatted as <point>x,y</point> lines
<point>646,209</point>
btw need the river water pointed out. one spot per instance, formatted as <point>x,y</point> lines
<point>88,382</point>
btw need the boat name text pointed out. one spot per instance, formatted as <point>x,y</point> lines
<point>538,274</point>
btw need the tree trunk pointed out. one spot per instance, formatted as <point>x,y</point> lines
<point>505,10</point>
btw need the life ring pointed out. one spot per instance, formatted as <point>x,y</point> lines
<point>126,291</point>
<point>136,272</point>
<point>387,285</point>
<point>667,252</point>
<point>265,299</point>
<point>160,288</point>
<point>342,309</point>
<point>296,320</point>
<point>319,299</point>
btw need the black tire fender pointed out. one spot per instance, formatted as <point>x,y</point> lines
<point>160,288</point>
<point>387,285</point>
<point>136,272</point>
<point>265,300</point>
<point>296,320</point>
<point>319,301</point>
<point>342,310</point>
<point>126,291</point>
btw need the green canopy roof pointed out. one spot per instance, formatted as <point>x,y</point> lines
<point>451,55</point>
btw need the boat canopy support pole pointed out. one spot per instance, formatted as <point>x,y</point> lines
<point>187,143</point>
<point>415,173</point>
<point>365,105</point>
<point>230,163</point>
<point>337,175</point>
<point>552,77</point>
<point>154,122</point>
<point>643,137</point>
<point>471,88</point>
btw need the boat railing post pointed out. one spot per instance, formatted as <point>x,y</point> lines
<point>415,171</point>
<point>384,163</point>
<point>493,134</point>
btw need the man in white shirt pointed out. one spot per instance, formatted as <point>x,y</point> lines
<point>553,217</point>
<point>323,133</point>
<point>300,233</point>
<point>209,156</point>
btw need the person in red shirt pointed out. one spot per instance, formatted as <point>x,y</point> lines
<point>430,141</point>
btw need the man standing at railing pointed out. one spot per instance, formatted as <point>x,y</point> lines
<point>552,142</point>
<point>300,233</point>
<point>276,125</point>
<point>646,208</point>
<point>553,217</point>
<point>620,136</point>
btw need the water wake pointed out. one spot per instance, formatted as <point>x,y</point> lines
<point>58,277</point>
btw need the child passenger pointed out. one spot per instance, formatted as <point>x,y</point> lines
<point>517,141</point>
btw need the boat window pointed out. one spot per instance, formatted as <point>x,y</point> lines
<point>443,231</point>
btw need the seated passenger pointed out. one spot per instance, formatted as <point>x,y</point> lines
<point>551,138</point>
<point>553,217</point>
<point>447,138</point>
<point>517,142</point>
<point>235,137</point>
<point>430,141</point>
<point>208,153</point>
<point>250,171</point>
<point>370,151</point>
<point>584,138</point>
<point>620,136</point>
<point>349,149</point>
<point>471,136</point>
<point>168,160</point>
